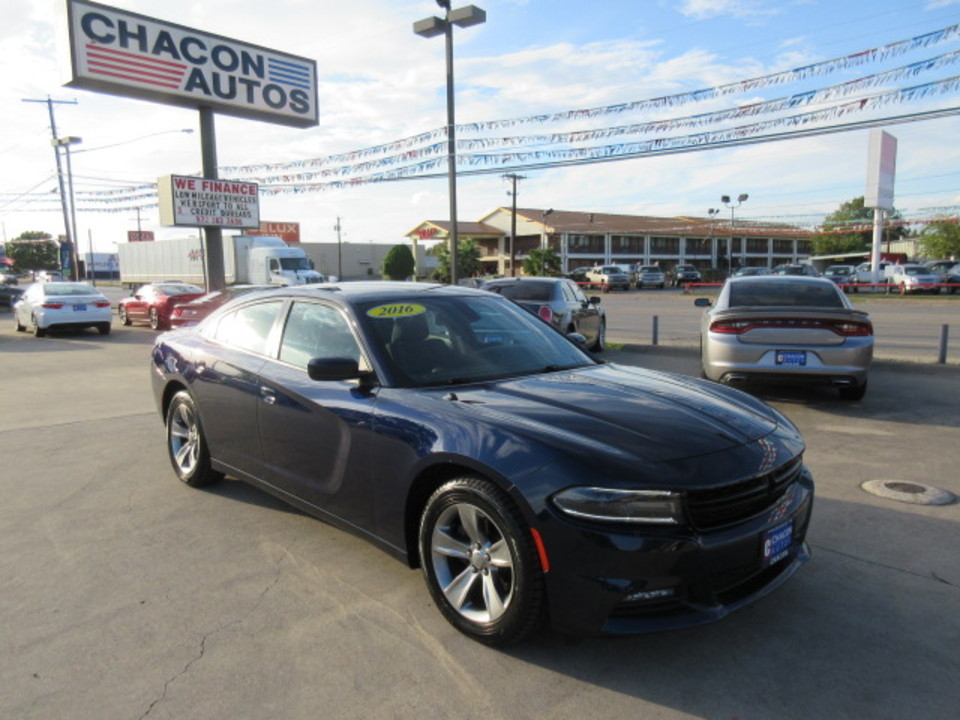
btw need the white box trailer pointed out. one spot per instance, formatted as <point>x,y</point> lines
<point>254,259</point>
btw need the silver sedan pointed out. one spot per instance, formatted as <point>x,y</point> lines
<point>779,328</point>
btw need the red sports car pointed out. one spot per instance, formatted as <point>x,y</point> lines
<point>196,310</point>
<point>153,303</point>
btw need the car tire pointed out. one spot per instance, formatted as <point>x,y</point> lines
<point>16,322</point>
<point>601,340</point>
<point>124,318</point>
<point>855,392</point>
<point>154,319</point>
<point>480,562</point>
<point>186,443</point>
<point>103,328</point>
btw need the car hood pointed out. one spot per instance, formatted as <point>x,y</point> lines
<point>625,412</point>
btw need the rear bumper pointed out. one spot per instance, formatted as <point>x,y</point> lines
<point>728,360</point>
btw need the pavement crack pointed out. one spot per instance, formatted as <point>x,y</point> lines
<point>203,643</point>
<point>922,576</point>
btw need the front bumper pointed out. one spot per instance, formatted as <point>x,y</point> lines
<point>663,578</point>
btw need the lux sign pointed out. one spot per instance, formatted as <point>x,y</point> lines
<point>124,53</point>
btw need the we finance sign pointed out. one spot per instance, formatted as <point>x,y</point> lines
<point>123,53</point>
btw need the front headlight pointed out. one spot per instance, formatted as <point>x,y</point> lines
<point>623,506</point>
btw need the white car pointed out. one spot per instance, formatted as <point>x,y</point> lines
<point>913,278</point>
<point>62,306</point>
<point>608,277</point>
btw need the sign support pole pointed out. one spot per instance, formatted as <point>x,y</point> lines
<point>213,235</point>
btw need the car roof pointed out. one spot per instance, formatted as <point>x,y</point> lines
<point>369,291</point>
<point>801,279</point>
<point>515,280</point>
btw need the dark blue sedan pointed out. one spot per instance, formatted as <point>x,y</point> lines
<point>461,434</point>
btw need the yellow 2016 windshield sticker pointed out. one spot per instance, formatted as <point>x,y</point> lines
<point>396,310</point>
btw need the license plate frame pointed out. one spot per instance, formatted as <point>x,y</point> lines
<point>791,358</point>
<point>775,543</point>
<point>79,308</point>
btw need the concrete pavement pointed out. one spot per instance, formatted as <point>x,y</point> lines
<point>129,595</point>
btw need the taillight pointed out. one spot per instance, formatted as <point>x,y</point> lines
<point>847,328</point>
<point>853,329</point>
<point>102,304</point>
<point>729,328</point>
<point>52,305</point>
<point>545,313</point>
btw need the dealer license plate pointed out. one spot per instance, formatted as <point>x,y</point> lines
<point>80,308</point>
<point>776,543</point>
<point>792,357</point>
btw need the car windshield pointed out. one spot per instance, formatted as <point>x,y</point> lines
<point>62,289</point>
<point>611,269</point>
<point>525,290</point>
<point>916,270</point>
<point>790,294</point>
<point>838,271</point>
<point>294,263</point>
<point>452,340</point>
<point>650,269</point>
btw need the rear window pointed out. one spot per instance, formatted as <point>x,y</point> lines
<point>793,294</point>
<point>531,290</point>
<point>173,290</point>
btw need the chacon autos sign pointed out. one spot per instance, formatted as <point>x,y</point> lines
<point>123,53</point>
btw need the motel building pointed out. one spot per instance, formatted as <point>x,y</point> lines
<point>586,239</point>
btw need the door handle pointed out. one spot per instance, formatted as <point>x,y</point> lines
<point>268,395</point>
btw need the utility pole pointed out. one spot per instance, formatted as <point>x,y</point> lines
<point>513,177</point>
<point>339,253</point>
<point>69,231</point>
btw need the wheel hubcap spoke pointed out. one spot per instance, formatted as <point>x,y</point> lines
<point>491,595</point>
<point>449,546</point>
<point>472,563</point>
<point>458,591</point>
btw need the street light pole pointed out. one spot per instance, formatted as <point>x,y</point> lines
<point>70,217</point>
<point>543,241</point>
<point>725,199</point>
<point>713,212</point>
<point>431,27</point>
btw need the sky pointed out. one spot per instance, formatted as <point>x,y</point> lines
<point>379,83</point>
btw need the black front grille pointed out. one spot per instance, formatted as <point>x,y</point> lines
<point>728,504</point>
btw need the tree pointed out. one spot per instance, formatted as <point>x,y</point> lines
<point>542,261</point>
<point>849,229</point>
<point>468,259</point>
<point>34,251</point>
<point>941,239</point>
<point>399,263</point>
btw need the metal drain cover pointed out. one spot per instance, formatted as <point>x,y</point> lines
<point>909,492</point>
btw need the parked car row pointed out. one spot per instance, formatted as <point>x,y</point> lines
<point>623,277</point>
<point>51,305</point>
